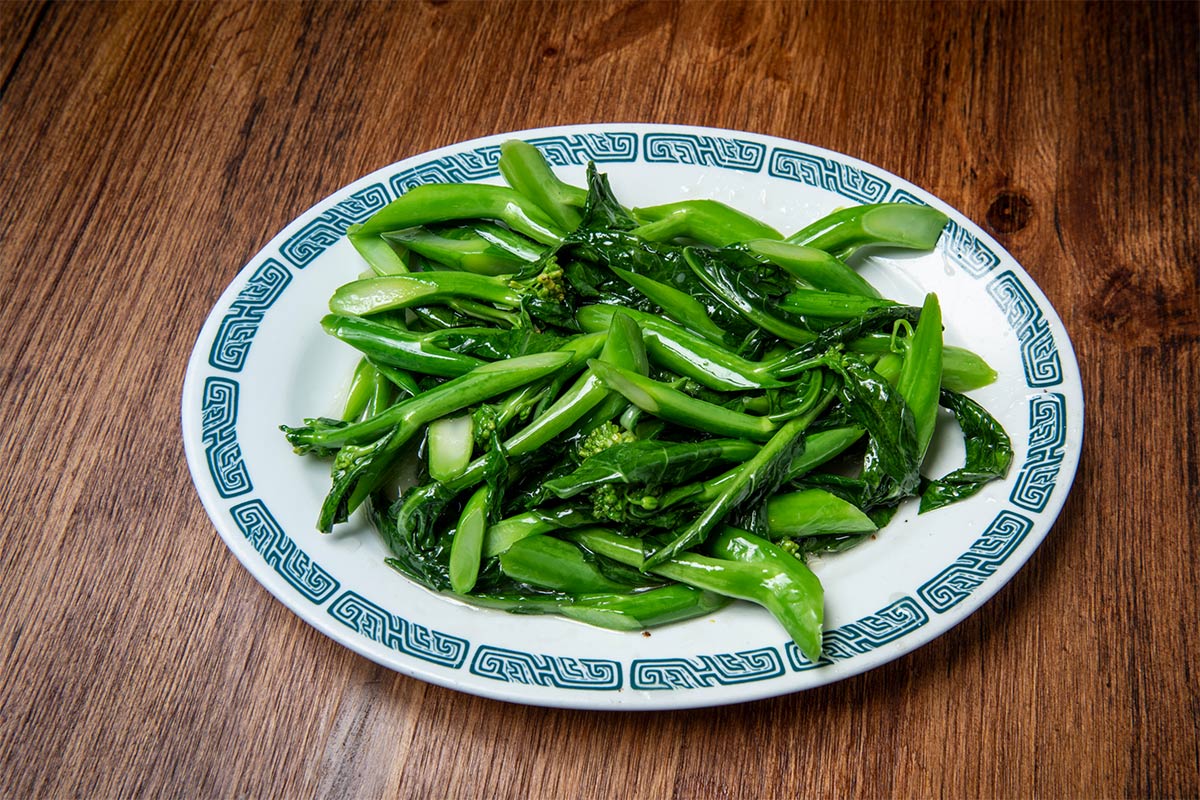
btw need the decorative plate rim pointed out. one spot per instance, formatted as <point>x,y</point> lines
<point>1041,483</point>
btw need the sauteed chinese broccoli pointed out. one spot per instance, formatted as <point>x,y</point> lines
<point>631,417</point>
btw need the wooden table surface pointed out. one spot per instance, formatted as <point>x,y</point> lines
<point>150,149</point>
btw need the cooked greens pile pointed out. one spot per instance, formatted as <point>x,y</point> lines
<point>630,417</point>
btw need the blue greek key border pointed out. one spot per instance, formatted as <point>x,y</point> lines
<point>721,669</point>
<point>483,162</point>
<point>560,672</point>
<point>238,328</point>
<point>472,165</point>
<point>240,324</point>
<point>980,561</point>
<point>834,176</point>
<point>380,625</point>
<point>707,151</point>
<point>262,530</point>
<point>1047,440</point>
<point>863,635</point>
<point>967,251</point>
<point>578,149</point>
<point>330,226</point>
<point>218,426</point>
<point>1039,352</point>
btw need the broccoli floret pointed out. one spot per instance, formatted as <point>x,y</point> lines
<point>546,297</point>
<point>608,503</point>
<point>623,503</point>
<point>547,284</point>
<point>603,437</point>
<point>484,420</point>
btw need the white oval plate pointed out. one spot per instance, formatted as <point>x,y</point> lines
<point>262,359</point>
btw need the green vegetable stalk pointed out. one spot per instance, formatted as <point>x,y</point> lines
<point>844,232</point>
<point>706,221</point>
<point>527,171</point>
<point>448,202</point>
<point>744,567</point>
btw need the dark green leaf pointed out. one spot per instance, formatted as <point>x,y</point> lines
<point>748,287</point>
<point>601,210</point>
<point>494,344</point>
<point>891,466</point>
<point>989,454</point>
<point>649,463</point>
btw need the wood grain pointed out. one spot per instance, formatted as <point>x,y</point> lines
<point>149,150</point>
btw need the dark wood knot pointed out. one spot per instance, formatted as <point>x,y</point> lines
<point>1009,212</point>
